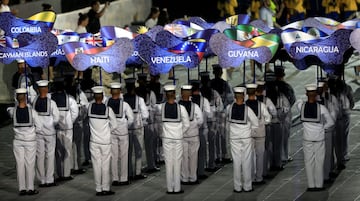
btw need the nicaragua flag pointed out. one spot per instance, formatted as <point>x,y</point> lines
<point>289,37</point>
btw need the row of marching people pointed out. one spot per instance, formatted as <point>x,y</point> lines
<point>192,132</point>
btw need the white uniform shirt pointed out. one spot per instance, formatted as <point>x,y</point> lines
<point>265,119</point>
<point>141,114</point>
<point>26,133</point>
<point>175,130</point>
<point>315,131</point>
<point>101,128</point>
<point>4,8</point>
<point>196,120</point>
<point>49,121</point>
<point>68,117</point>
<point>125,121</point>
<point>242,131</point>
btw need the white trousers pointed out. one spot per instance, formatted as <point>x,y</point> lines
<point>100,157</point>
<point>259,150</point>
<point>190,159</point>
<point>76,147</point>
<point>119,153</point>
<point>136,146</point>
<point>314,155</point>
<point>242,154</point>
<point>45,158</point>
<point>173,151</point>
<point>25,156</point>
<point>63,153</point>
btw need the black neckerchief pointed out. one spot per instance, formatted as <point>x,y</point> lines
<point>60,99</point>
<point>114,104</point>
<point>196,99</point>
<point>131,100</point>
<point>22,115</point>
<point>171,111</point>
<point>238,112</point>
<point>187,105</point>
<point>41,104</point>
<point>254,105</point>
<point>310,110</point>
<point>98,109</point>
<point>260,98</point>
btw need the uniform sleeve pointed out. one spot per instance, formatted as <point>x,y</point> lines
<point>143,109</point>
<point>266,114</point>
<point>253,119</point>
<point>74,109</point>
<point>55,112</point>
<point>329,122</point>
<point>83,99</point>
<point>184,119</point>
<point>112,119</point>
<point>198,115</point>
<point>152,99</point>
<point>128,113</point>
<point>218,102</point>
<point>10,111</point>
<point>299,104</point>
<point>229,94</point>
<point>335,107</point>
<point>271,107</point>
<point>206,107</point>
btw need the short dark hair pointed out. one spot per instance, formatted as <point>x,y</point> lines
<point>46,6</point>
<point>94,2</point>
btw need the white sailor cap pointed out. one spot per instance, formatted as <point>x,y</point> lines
<point>186,87</point>
<point>98,90</point>
<point>321,84</point>
<point>20,61</point>
<point>20,91</point>
<point>311,87</point>
<point>260,82</point>
<point>251,86</point>
<point>239,89</point>
<point>169,87</point>
<point>115,85</point>
<point>42,83</point>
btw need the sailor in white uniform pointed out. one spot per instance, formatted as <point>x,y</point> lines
<point>242,123</point>
<point>136,130</point>
<point>191,142</point>
<point>46,138</point>
<point>331,103</point>
<point>316,119</point>
<point>68,113</point>
<point>264,117</point>
<point>204,105</point>
<point>260,96</point>
<point>120,136</point>
<point>102,121</point>
<point>150,138</point>
<point>26,123</point>
<point>24,79</point>
<point>175,122</point>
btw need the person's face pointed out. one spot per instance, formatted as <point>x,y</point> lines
<point>185,94</point>
<point>96,7</point>
<point>85,22</point>
<point>98,97</point>
<point>21,97</point>
<point>116,92</point>
<point>239,96</point>
<point>311,94</point>
<point>259,91</point>
<point>43,90</point>
<point>170,95</point>
<point>5,2</point>
<point>21,67</point>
